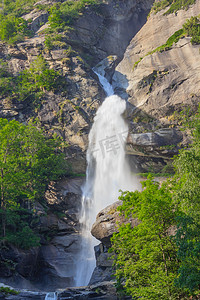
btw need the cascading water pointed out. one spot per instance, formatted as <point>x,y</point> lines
<point>51,296</point>
<point>107,173</point>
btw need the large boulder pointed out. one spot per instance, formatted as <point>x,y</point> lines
<point>107,223</point>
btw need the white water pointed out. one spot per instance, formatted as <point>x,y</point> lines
<point>107,173</point>
<point>51,296</point>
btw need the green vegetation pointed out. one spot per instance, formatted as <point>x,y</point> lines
<point>175,5</point>
<point>30,83</point>
<point>5,291</point>
<point>159,258</point>
<point>63,14</point>
<point>187,195</point>
<point>16,8</point>
<point>13,28</point>
<point>28,161</point>
<point>190,28</point>
<point>147,253</point>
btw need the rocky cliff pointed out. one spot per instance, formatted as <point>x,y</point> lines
<point>94,36</point>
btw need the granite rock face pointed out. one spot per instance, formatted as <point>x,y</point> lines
<point>160,84</point>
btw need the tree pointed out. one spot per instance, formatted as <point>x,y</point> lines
<point>146,259</point>
<point>13,29</point>
<point>151,262</point>
<point>28,161</point>
<point>187,195</point>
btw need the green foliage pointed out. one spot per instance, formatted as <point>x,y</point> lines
<point>160,258</point>
<point>187,193</point>
<point>18,231</point>
<point>7,291</point>
<point>28,161</point>
<point>146,254</point>
<point>13,28</point>
<point>174,6</point>
<point>31,83</point>
<point>55,41</point>
<point>17,8</point>
<point>63,14</point>
<point>192,28</point>
<point>159,5</point>
<point>179,4</point>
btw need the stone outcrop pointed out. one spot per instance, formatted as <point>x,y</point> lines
<point>57,257</point>
<point>106,224</point>
<point>107,221</point>
<point>153,34</point>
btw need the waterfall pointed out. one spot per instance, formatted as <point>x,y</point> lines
<point>51,296</point>
<point>107,173</point>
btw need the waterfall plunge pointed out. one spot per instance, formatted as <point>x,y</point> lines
<point>107,173</point>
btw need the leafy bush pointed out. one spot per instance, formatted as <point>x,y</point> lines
<point>192,28</point>
<point>160,258</point>
<point>174,6</point>
<point>7,291</point>
<point>13,28</point>
<point>17,8</point>
<point>24,239</point>
<point>146,254</point>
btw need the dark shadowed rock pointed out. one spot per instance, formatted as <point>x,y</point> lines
<point>103,270</point>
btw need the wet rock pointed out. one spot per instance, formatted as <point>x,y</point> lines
<point>103,291</point>
<point>106,67</point>
<point>161,137</point>
<point>26,296</point>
